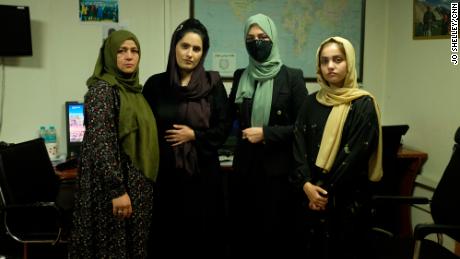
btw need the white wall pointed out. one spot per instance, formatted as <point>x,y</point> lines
<point>64,54</point>
<point>413,80</point>
<point>375,50</point>
<point>419,88</point>
<point>422,89</point>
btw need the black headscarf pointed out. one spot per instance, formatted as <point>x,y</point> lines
<point>194,109</point>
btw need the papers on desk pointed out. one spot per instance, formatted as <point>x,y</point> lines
<point>226,160</point>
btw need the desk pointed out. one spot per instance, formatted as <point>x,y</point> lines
<point>409,163</point>
<point>67,174</point>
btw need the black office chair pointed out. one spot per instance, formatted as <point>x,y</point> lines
<point>28,192</point>
<point>445,210</point>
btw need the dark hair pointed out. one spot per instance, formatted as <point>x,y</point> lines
<point>189,25</point>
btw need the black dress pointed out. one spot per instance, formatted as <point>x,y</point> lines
<point>261,203</point>
<point>189,218</point>
<point>106,172</point>
<point>347,182</point>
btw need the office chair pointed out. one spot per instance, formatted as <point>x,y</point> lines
<point>445,210</point>
<point>28,191</point>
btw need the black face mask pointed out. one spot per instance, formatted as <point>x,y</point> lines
<point>259,49</point>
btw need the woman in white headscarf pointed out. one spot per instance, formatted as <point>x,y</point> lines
<point>265,98</point>
<point>338,152</point>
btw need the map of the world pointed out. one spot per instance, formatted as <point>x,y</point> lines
<point>302,25</point>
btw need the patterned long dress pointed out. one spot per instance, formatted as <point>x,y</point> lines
<point>106,172</point>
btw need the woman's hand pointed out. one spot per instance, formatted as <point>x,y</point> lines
<point>254,134</point>
<point>121,206</point>
<point>179,135</point>
<point>316,195</point>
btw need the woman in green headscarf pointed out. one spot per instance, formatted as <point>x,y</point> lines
<point>264,98</point>
<point>119,158</point>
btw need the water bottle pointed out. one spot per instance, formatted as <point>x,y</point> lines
<point>42,132</point>
<point>51,142</point>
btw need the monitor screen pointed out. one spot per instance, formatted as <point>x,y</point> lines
<point>228,148</point>
<point>75,127</point>
<point>16,25</point>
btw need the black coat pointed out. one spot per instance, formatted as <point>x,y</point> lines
<point>349,172</point>
<point>339,231</point>
<point>289,91</point>
<point>261,204</point>
<point>188,204</point>
<point>164,103</point>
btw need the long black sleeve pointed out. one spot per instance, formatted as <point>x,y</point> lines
<point>302,172</point>
<point>276,132</point>
<point>216,134</point>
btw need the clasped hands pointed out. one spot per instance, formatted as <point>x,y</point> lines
<point>316,195</point>
<point>180,134</point>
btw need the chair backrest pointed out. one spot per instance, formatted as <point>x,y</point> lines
<point>445,204</point>
<point>26,174</point>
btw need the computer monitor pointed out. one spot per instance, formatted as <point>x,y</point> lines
<point>391,137</point>
<point>392,141</point>
<point>75,127</point>
<point>228,148</point>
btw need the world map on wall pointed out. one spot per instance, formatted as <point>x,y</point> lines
<point>302,25</point>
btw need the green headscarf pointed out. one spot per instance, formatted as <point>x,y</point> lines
<point>262,72</point>
<point>137,128</point>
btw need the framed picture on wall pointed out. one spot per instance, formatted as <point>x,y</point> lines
<point>302,26</point>
<point>431,19</point>
<point>98,10</point>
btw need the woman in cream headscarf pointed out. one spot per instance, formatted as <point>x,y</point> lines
<point>337,150</point>
<point>119,158</point>
<point>265,98</point>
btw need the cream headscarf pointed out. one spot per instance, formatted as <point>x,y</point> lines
<point>340,99</point>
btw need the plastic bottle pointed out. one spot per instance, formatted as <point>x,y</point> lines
<point>51,142</point>
<point>42,132</point>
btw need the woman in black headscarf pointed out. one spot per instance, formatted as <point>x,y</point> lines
<point>189,104</point>
<point>119,158</point>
